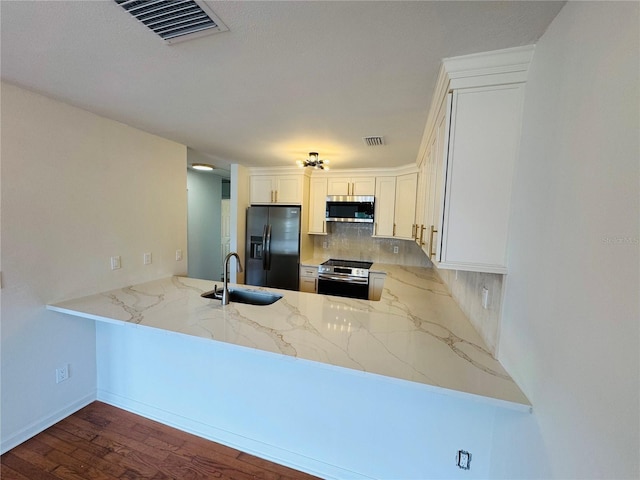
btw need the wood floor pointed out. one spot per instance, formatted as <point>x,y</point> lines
<point>101,442</point>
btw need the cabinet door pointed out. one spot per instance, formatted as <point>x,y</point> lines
<point>262,188</point>
<point>405,206</point>
<point>385,206</point>
<point>421,200</point>
<point>338,186</point>
<point>376,285</point>
<point>483,146</point>
<point>439,152</point>
<point>309,285</point>
<point>308,279</point>
<point>351,186</point>
<point>288,189</point>
<point>317,206</point>
<point>363,186</point>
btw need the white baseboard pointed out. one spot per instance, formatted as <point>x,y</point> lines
<point>230,439</point>
<point>44,423</point>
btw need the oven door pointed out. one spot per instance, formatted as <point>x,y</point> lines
<point>343,285</point>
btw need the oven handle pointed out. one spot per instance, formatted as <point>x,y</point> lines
<point>343,279</point>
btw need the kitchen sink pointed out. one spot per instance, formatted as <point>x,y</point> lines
<point>250,297</point>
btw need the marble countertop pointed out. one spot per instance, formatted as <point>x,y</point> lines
<point>415,333</point>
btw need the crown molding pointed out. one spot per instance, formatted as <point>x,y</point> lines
<point>497,67</point>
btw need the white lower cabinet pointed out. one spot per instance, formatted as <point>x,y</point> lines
<point>308,279</point>
<point>376,284</point>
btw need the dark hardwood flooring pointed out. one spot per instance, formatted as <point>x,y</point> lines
<point>101,442</point>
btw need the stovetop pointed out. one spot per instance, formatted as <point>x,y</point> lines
<point>348,263</point>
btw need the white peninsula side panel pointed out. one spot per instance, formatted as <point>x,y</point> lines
<point>324,420</point>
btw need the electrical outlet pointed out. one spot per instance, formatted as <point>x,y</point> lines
<point>178,255</point>
<point>115,263</point>
<point>464,460</point>
<point>146,259</point>
<point>395,249</point>
<point>62,373</point>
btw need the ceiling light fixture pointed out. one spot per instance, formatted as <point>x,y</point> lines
<point>313,161</point>
<point>202,166</point>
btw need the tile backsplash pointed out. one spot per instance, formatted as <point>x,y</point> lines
<point>354,241</point>
<point>466,290</point>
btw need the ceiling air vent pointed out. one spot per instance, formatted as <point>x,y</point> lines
<point>175,20</point>
<point>373,141</point>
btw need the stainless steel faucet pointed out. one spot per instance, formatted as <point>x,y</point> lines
<point>225,278</point>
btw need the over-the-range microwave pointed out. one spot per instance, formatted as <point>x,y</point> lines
<point>350,208</point>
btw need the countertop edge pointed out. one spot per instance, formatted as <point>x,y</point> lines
<point>256,351</point>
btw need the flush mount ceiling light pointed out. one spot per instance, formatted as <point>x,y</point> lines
<point>313,161</point>
<point>205,167</point>
<point>175,20</point>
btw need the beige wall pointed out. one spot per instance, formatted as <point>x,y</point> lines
<point>76,189</point>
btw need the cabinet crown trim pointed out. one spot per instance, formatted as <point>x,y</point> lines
<point>509,65</point>
<point>278,171</point>
<point>509,60</point>
<point>365,172</point>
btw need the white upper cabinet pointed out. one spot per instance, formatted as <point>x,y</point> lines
<point>317,206</point>
<point>384,206</point>
<point>405,206</point>
<point>351,186</point>
<point>282,189</point>
<point>470,154</point>
<point>396,206</point>
<point>483,146</point>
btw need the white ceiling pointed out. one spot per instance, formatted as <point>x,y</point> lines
<point>287,78</point>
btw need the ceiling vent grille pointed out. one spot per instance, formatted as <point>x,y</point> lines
<point>373,141</point>
<point>175,20</point>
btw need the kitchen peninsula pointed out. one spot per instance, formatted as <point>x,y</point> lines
<point>415,332</point>
<point>333,386</point>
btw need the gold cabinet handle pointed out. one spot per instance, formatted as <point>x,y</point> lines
<point>324,226</point>
<point>422,229</point>
<point>275,196</point>
<point>375,228</point>
<point>432,230</point>
<point>394,229</point>
<point>413,230</point>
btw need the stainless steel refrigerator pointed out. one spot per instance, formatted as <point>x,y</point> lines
<point>273,247</point>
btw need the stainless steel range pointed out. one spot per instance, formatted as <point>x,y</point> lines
<point>344,278</point>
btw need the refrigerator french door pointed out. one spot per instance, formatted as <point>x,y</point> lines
<point>273,247</point>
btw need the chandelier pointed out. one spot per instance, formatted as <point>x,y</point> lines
<point>314,162</point>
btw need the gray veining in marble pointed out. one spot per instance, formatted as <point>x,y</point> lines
<point>415,332</point>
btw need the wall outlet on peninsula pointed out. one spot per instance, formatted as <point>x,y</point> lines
<point>62,373</point>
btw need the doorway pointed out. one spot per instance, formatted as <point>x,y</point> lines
<point>208,224</point>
